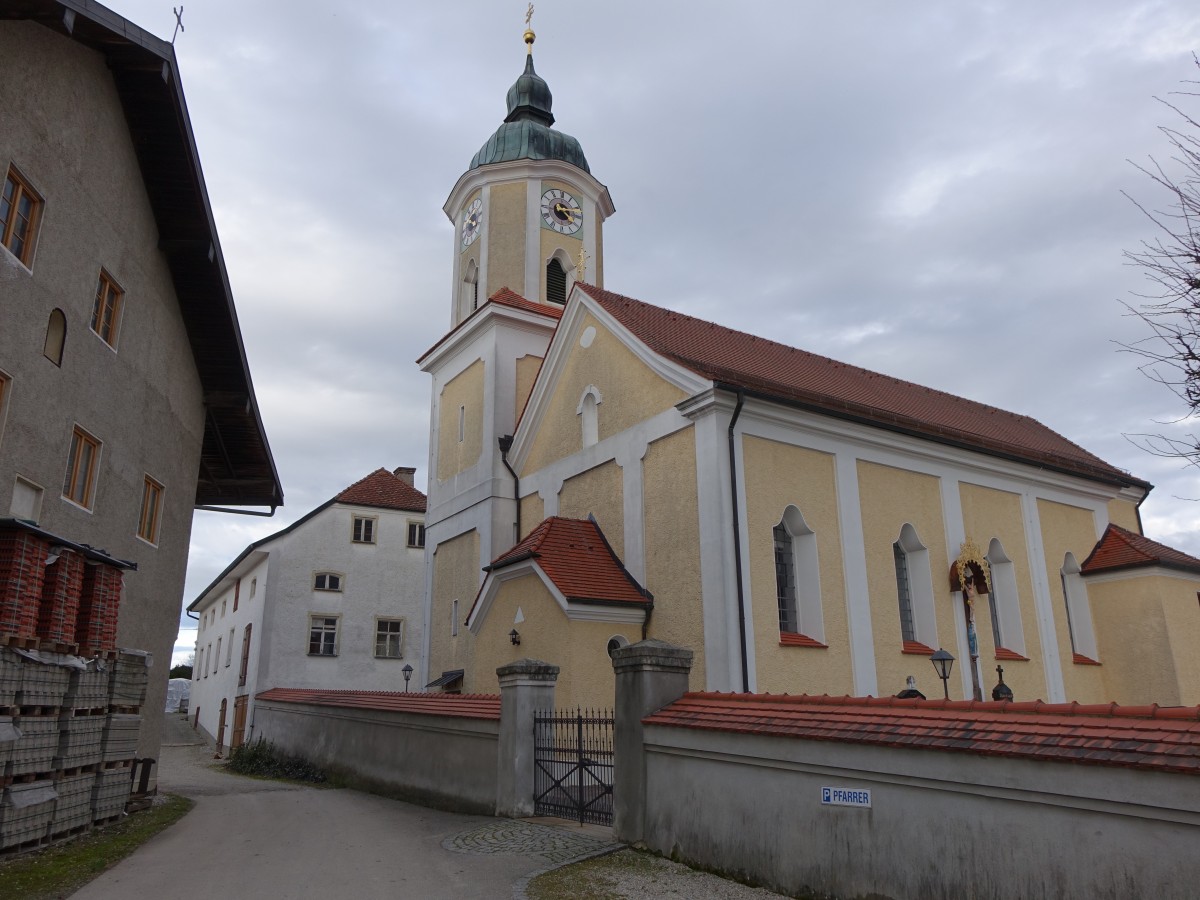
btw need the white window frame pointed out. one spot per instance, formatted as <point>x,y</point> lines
<point>387,636</point>
<point>420,533</point>
<point>229,649</point>
<point>336,631</point>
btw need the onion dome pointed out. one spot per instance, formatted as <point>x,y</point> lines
<point>526,132</point>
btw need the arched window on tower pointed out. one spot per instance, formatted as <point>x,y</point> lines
<point>56,337</point>
<point>469,295</point>
<point>556,282</point>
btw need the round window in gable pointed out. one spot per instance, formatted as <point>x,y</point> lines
<point>615,643</point>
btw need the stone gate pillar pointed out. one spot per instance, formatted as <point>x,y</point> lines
<point>526,686</point>
<point>650,674</point>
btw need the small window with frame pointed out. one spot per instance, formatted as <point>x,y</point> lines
<point>20,213</point>
<point>389,638</point>
<point>416,534</point>
<point>322,635</point>
<point>363,531</point>
<point>327,581</point>
<point>152,496</point>
<point>79,485</point>
<point>106,311</point>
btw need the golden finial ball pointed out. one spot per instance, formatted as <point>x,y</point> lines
<point>529,36</point>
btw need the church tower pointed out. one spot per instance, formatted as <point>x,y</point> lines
<point>528,221</point>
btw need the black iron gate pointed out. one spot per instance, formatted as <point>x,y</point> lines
<point>573,759</point>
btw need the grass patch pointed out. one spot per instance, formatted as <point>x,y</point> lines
<point>64,868</point>
<point>263,759</point>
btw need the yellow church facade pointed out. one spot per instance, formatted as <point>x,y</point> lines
<point>603,470</point>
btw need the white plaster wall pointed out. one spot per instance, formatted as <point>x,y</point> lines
<point>221,682</point>
<point>385,579</point>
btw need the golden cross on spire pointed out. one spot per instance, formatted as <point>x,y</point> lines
<point>580,264</point>
<point>529,35</point>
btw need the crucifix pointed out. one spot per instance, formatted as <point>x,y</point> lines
<point>178,22</point>
<point>580,265</point>
<point>528,15</point>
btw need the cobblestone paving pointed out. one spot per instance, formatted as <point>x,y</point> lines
<point>554,845</point>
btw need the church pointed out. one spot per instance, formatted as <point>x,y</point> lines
<point>603,470</point>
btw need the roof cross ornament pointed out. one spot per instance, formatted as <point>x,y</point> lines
<point>178,23</point>
<point>580,264</point>
<point>529,35</point>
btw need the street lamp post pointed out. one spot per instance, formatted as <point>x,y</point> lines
<point>943,662</point>
<point>407,670</point>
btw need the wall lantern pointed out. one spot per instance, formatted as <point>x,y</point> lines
<point>407,670</point>
<point>515,637</point>
<point>943,662</point>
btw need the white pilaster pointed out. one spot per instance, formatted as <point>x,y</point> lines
<point>1051,660</point>
<point>633,509</point>
<point>718,585</point>
<point>533,239</point>
<point>854,562</point>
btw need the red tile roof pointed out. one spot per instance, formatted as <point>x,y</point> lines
<point>502,297</point>
<point>784,373</point>
<point>505,297</point>
<point>1120,548</point>
<point>575,555</point>
<point>385,490</point>
<point>463,706</point>
<point>1163,739</point>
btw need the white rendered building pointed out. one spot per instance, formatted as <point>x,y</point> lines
<point>333,601</point>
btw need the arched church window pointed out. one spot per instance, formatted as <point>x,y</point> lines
<point>1079,613</point>
<point>914,591</point>
<point>56,337</point>
<point>1003,601</point>
<point>797,577</point>
<point>589,414</point>
<point>556,282</point>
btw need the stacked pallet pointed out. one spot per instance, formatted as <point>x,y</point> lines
<point>69,729</point>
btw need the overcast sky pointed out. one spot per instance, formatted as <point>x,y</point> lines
<point>930,190</point>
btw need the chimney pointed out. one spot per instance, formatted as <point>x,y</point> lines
<point>405,474</point>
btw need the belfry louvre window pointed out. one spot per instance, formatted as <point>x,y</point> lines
<point>79,486</point>
<point>106,311</point>
<point>152,494</point>
<point>20,207</point>
<point>364,530</point>
<point>556,282</point>
<point>322,635</point>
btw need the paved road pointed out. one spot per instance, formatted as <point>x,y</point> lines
<point>262,839</point>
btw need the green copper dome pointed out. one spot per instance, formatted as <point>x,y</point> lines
<point>526,132</point>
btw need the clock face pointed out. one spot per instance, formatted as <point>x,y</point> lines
<point>561,211</point>
<point>472,220</point>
